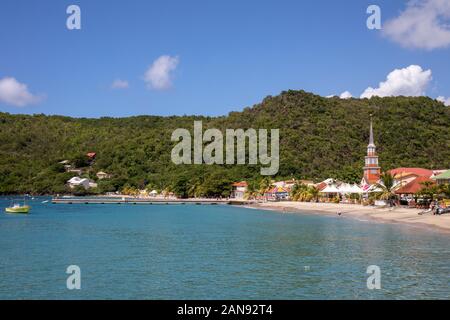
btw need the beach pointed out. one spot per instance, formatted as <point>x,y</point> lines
<point>392,215</point>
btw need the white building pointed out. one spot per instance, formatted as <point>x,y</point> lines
<point>77,181</point>
<point>239,190</point>
<point>83,182</point>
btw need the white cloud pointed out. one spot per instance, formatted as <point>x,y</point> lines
<point>159,74</point>
<point>444,100</point>
<point>424,24</point>
<point>119,84</point>
<point>346,95</point>
<point>15,93</point>
<point>411,81</point>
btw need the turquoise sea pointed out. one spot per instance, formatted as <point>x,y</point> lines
<point>213,252</point>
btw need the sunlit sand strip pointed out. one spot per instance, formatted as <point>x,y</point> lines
<point>397,215</point>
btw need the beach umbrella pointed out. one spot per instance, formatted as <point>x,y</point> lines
<point>330,189</point>
<point>356,189</point>
<point>345,188</point>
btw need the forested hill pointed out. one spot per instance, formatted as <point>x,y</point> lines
<point>319,138</point>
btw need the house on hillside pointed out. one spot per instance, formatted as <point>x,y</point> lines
<point>78,172</point>
<point>103,175</point>
<point>92,184</point>
<point>91,155</point>
<point>83,182</point>
<point>77,182</point>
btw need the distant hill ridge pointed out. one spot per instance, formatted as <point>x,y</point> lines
<point>319,138</point>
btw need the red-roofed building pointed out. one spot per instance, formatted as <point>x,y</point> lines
<point>414,186</point>
<point>277,193</point>
<point>320,186</point>
<point>420,172</point>
<point>239,190</point>
<point>240,184</point>
<point>91,155</point>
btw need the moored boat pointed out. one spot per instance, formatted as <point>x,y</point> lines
<point>17,208</point>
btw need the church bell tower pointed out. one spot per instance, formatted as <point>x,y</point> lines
<point>371,169</point>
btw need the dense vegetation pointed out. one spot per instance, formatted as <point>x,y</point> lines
<point>319,138</point>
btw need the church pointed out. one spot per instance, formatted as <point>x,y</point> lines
<point>372,170</point>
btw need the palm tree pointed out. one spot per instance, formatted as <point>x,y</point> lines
<point>265,185</point>
<point>387,188</point>
<point>314,192</point>
<point>444,189</point>
<point>194,187</point>
<point>429,189</point>
<point>297,190</point>
<point>252,190</point>
<point>302,192</point>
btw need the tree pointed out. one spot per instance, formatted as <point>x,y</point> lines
<point>429,190</point>
<point>265,185</point>
<point>302,192</point>
<point>387,188</point>
<point>297,191</point>
<point>444,190</point>
<point>315,192</point>
<point>80,161</point>
<point>180,187</point>
<point>138,149</point>
<point>252,190</point>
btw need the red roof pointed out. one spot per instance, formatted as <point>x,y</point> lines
<point>321,186</point>
<point>414,186</point>
<point>278,190</point>
<point>91,154</point>
<point>417,171</point>
<point>240,184</point>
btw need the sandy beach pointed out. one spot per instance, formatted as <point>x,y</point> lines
<point>391,215</point>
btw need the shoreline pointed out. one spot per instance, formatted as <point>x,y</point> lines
<point>399,215</point>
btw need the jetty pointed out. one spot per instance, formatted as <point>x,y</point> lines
<point>147,201</point>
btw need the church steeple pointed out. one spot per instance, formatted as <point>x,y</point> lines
<point>371,133</point>
<point>371,169</point>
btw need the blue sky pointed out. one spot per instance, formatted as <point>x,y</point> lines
<point>230,54</point>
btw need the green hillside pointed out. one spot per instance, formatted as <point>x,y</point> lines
<point>319,138</point>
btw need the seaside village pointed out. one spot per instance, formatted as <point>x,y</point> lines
<point>412,187</point>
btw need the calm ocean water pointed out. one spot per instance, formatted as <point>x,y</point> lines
<point>213,252</point>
